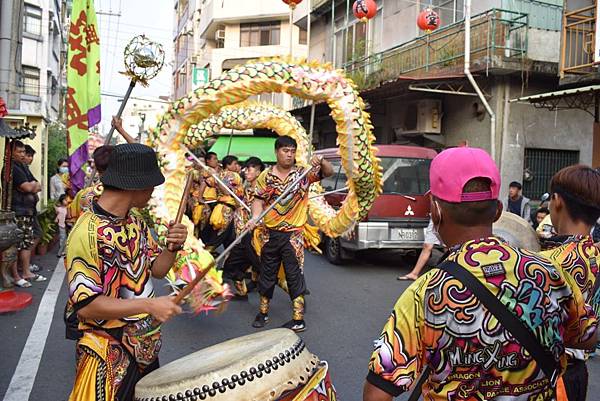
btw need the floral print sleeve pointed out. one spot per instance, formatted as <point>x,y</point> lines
<point>397,359</point>
<point>83,270</point>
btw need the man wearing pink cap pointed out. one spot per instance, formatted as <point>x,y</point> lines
<point>443,325</point>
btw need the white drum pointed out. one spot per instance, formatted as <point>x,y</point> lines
<point>517,232</point>
<point>259,367</point>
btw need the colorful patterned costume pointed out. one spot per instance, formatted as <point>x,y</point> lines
<point>578,258</point>
<point>243,255</point>
<point>437,322</point>
<point>283,238</point>
<point>111,256</point>
<point>82,202</point>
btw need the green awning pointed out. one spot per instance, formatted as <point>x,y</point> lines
<point>246,146</point>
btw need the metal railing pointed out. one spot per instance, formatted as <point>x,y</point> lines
<point>578,41</point>
<point>496,35</point>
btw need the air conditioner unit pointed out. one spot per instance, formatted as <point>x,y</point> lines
<point>220,34</point>
<point>421,117</point>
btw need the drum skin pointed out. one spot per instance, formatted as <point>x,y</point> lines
<point>258,367</point>
<point>517,232</point>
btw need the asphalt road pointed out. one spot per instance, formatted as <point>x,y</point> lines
<point>347,308</point>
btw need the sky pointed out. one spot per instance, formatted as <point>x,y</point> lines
<point>154,18</point>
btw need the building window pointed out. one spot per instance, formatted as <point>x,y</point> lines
<point>450,11</point>
<point>31,81</point>
<point>303,36</point>
<point>352,41</point>
<point>260,34</point>
<point>32,19</point>
<point>541,165</point>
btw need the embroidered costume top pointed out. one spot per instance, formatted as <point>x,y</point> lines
<point>438,322</point>
<point>242,215</point>
<point>109,256</point>
<point>292,212</point>
<point>234,182</point>
<point>579,258</point>
<point>210,192</point>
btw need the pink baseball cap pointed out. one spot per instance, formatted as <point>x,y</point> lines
<point>453,168</point>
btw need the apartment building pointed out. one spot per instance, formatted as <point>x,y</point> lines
<point>417,92</point>
<point>212,36</point>
<point>31,65</point>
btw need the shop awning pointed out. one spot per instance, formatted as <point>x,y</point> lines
<point>245,146</point>
<point>582,98</point>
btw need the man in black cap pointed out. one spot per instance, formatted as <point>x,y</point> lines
<point>111,259</point>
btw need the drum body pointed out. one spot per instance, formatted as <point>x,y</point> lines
<point>270,365</point>
<point>517,232</point>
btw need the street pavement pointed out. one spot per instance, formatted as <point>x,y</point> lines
<point>347,308</point>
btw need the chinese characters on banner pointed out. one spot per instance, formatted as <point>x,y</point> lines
<point>83,87</point>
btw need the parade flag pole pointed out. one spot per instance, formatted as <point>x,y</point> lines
<point>143,60</point>
<point>216,177</point>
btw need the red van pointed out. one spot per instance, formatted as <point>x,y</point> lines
<point>398,216</point>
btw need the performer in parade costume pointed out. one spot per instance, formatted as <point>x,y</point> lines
<point>441,327</point>
<point>111,257</point>
<point>208,190</point>
<point>244,255</point>
<point>284,226</point>
<point>575,207</point>
<point>221,231</point>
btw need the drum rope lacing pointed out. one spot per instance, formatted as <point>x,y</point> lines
<point>236,380</point>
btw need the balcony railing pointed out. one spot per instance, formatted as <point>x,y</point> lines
<point>578,43</point>
<point>496,36</point>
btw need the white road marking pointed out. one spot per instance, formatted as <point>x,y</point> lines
<point>23,379</point>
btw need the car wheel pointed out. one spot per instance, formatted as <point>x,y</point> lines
<point>333,251</point>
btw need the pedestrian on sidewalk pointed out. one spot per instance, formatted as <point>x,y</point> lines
<point>284,228</point>
<point>57,181</point>
<point>442,327</point>
<point>25,190</point>
<point>111,259</point>
<point>61,215</point>
<point>37,228</point>
<point>575,206</point>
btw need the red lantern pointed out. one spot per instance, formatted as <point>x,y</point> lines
<point>428,20</point>
<point>3,111</point>
<point>292,3</point>
<point>364,9</point>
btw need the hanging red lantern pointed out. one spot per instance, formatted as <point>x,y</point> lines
<point>428,20</point>
<point>364,10</point>
<point>292,3</point>
<point>3,110</point>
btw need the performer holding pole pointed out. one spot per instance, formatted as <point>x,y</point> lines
<point>114,306</point>
<point>284,223</point>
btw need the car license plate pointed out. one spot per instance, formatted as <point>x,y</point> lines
<point>405,234</point>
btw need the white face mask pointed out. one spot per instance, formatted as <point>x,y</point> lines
<point>435,229</point>
<point>63,170</point>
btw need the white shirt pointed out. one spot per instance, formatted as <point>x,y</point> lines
<point>57,188</point>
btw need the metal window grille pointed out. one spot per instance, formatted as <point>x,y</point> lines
<point>31,81</point>
<point>32,19</point>
<point>543,164</point>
